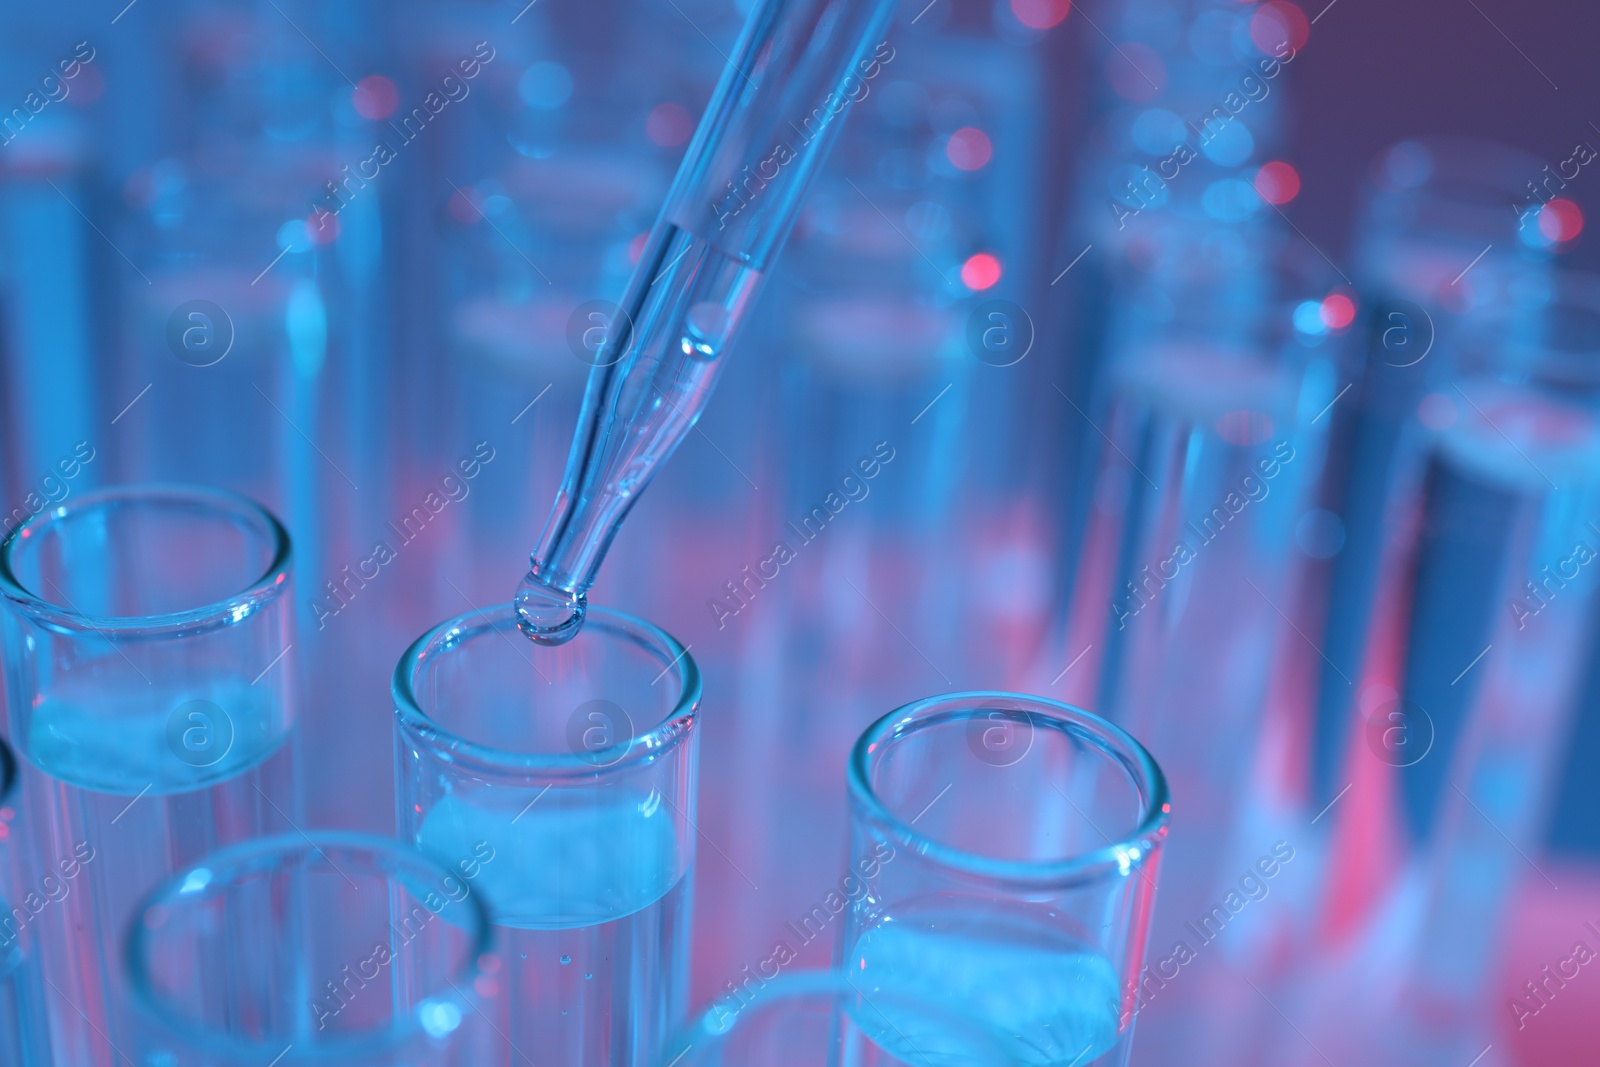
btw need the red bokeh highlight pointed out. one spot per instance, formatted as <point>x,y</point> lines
<point>375,97</point>
<point>465,206</point>
<point>323,230</point>
<point>1338,311</point>
<point>669,125</point>
<point>1277,182</point>
<point>1560,220</point>
<point>1279,26</point>
<point>1040,14</point>
<point>969,148</point>
<point>980,272</point>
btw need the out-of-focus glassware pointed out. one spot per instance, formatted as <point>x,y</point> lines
<point>1482,625</point>
<point>1447,276</point>
<point>150,678</point>
<point>1003,860</point>
<point>576,764</point>
<point>1189,574</point>
<point>24,1039</point>
<point>329,948</point>
<point>821,1019</point>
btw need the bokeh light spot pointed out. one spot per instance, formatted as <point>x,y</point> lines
<point>669,125</point>
<point>969,148</point>
<point>295,236</point>
<point>1231,146</point>
<point>1338,311</point>
<point>464,206</point>
<point>1277,182</point>
<point>545,85</point>
<point>1278,27</point>
<point>1158,131</point>
<point>1560,220</point>
<point>322,228</point>
<point>375,97</point>
<point>1040,14</point>
<point>1308,318</point>
<point>980,272</point>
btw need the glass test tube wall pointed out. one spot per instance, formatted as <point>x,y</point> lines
<point>24,1034</point>
<point>1190,570</point>
<point>339,948</point>
<point>570,773</point>
<point>150,675</point>
<point>941,155</point>
<point>1005,851</point>
<point>1434,206</point>
<point>1483,621</point>
<point>1175,211</point>
<point>818,1018</point>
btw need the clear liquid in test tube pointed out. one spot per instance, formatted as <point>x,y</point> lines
<point>567,775</point>
<point>147,641</point>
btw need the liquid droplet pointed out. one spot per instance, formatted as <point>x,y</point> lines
<point>706,330</point>
<point>548,616</point>
<point>565,960</point>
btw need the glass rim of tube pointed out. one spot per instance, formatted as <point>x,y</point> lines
<point>799,986</point>
<point>451,746</point>
<point>258,855</point>
<point>247,601</point>
<point>1116,856</point>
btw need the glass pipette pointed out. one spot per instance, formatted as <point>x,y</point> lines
<point>798,67</point>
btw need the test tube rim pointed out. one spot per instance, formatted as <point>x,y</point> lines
<point>1121,746</point>
<point>259,851</point>
<point>269,586</point>
<point>800,984</point>
<point>451,747</point>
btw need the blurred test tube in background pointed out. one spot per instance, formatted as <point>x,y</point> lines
<point>1483,625</point>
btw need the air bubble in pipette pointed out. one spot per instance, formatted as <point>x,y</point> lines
<point>548,616</point>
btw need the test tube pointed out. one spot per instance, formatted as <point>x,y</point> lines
<point>22,1026</point>
<point>341,949</point>
<point>1438,204</point>
<point>1485,598</point>
<point>822,1019</point>
<point>796,70</point>
<point>147,636</point>
<point>1003,860</point>
<point>575,764</point>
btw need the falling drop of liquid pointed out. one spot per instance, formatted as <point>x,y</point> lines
<point>565,960</point>
<point>546,615</point>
